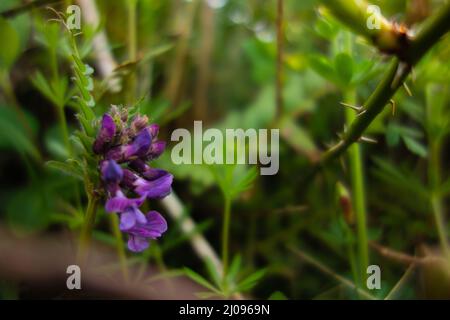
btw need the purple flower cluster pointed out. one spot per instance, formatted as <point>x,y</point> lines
<point>125,149</point>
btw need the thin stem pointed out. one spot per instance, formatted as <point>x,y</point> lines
<point>358,194</point>
<point>399,285</point>
<point>225,236</point>
<point>114,222</point>
<point>86,229</point>
<point>434,174</point>
<point>132,48</point>
<point>280,45</point>
<point>438,213</point>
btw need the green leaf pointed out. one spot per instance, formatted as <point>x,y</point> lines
<point>343,65</point>
<point>249,282</point>
<point>392,136</point>
<point>199,279</point>
<point>415,147</point>
<point>70,168</point>
<point>244,182</point>
<point>234,268</point>
<point>213,273</point>
<point>13,134</point>
<point>326,29</point>
<point>323,67</point>
<point>40,82</point>
<point>11,44</point>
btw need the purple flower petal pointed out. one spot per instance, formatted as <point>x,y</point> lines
<point>139,122</point>
<point>156,149</point>
<point>154,189</point>
<point>156,223</point>
<point>120,202</point>
<point>112,173</point>
<point>138,165</point>
<point>127,220</point>
<point>131,217</point>
<point>155,226</point>
<point>105,135</point>
<point>153,173</point>
<point>140,146</point>
<point>137,243</point>
<point>153,130</point>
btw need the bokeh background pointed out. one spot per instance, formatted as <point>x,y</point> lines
<point>216,61</point>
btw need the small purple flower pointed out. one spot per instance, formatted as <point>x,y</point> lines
<point>125,147</point>
<point>140,234</point>
<point>105,135</point>
<point>158,187</point>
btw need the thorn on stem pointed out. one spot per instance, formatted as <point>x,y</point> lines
<point>393,104</point>
<point>361,113</point>
<point>368,140</point>
<point>407,89</point>
<point>355,108</point>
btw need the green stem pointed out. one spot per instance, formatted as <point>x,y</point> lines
<point>438,212</point>
<point>434,174</point>
<point>355,14</point>
<point>358,194</point>
<point>225,236</point>
<point>279,71</point>
<point>114,222</point>
<point>87,228</point>
<point>132,48</point>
